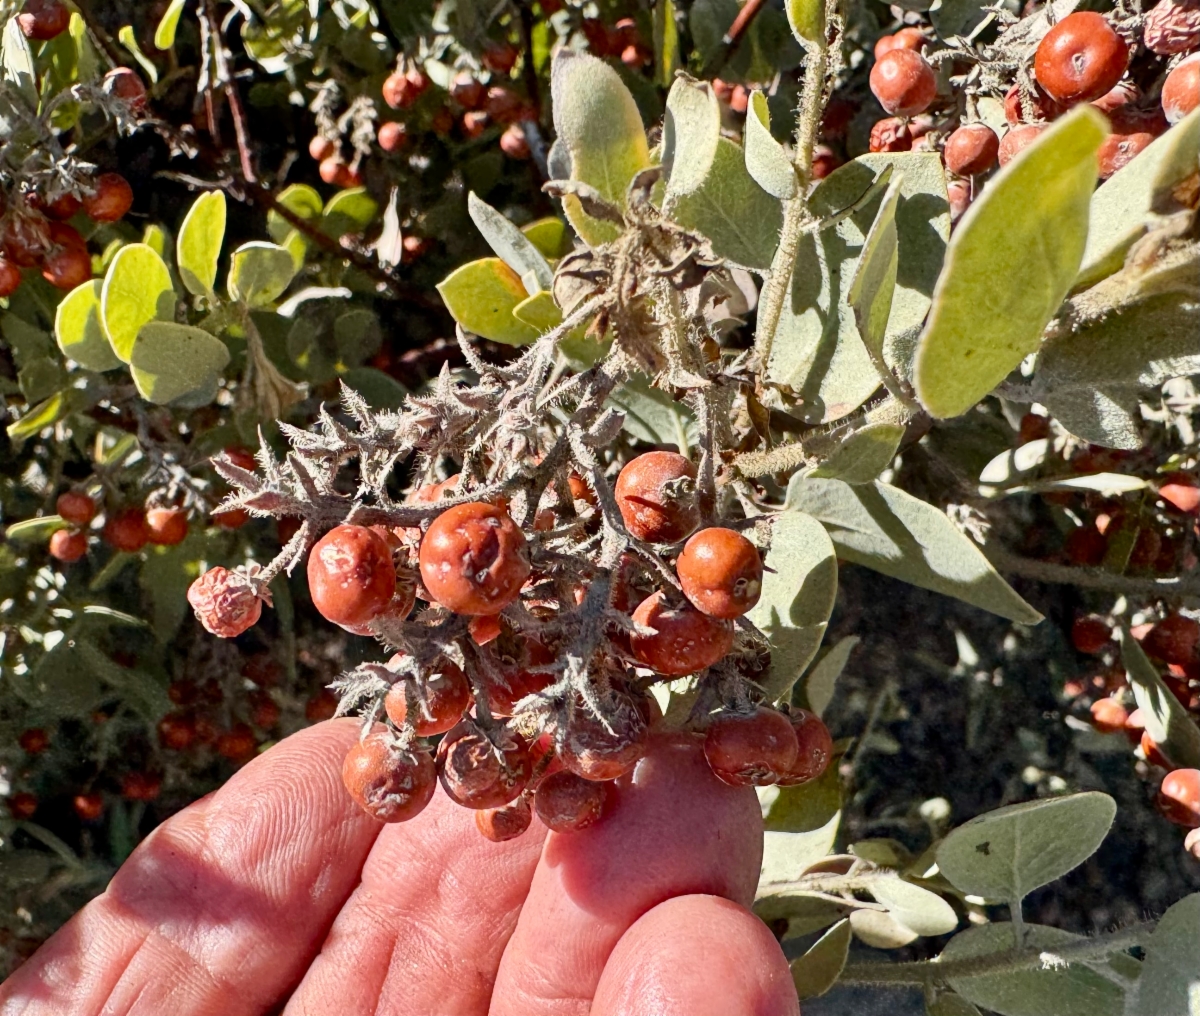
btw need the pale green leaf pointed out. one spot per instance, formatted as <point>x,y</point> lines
<point>797,598</point>
<point>46,414</point>
<point>512,246</point>
<point>691,131</point>
<point>1006,274</point>
<point>36,530</point>
<point>806,18</point>
<point>801,827</point>
<point>349,212</point>
<point>766,161</point>
<point>874,282</point>
<point>549,236</point>
<point>923,911</point>
<point>539,311</point>
<point>1170,981</point>
<point>865,454</point>
<point>16,64</point>
<point>949,1004</point>
<point>198,248</point>
<point>1007,853</point>
<point>164,34</point>
<point>666,43</point>
<point>171,360</point>
<point>1167,720</point>
<point>137,289</point>
<point>78,329</point>
<point>302,201</point>
<point>129,40</point>
<point>805,911</point>
<point>259,273</point>
<point>880,930</point>
<point>884,528</point>
<point>822,679</point>
<point>481,296</point>
<point>958,17</point>
<point>817,970</point>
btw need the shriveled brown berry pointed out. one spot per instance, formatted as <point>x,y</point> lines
<point>479,772</point>
<point>75,507</point>
<point>389,784</point>
<point>351,577</point>
<point>655,499</point>
<point>1181,90</point>
<point>474,559</point>
<point>1109,716</point>
<point>721,572</point>
<point>1017,140</point>
<point>971,149</point>
<point>603,749</point>
<point>68,545</point>
<point>167,527</point>
<point>110,199</point>
<point>442,698</point>
<point>891,134</point>
<point>903,82</point>
<point>1080,58</point>
<point>1118,150</point>
<point>1179,797</point>
<point>1172,26</point>
<point>814,748</point>
<point>1091,634</point>
<point>225,602</point>
<point>126,530</point>
<point>685,640</point>
<point>566,803</point>
<point>506,822</point>
<point>42,20</point>
<point>753,749</point>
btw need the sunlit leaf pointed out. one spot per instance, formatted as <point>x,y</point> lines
<point>862,456</point>
<point>259,273</point>
<point>198,248</point>
<point>164,34</point>
<point>137,289</point>
<point>1167,720</point>
<point>512,246</point>
<point>817,970</point>
<point>78,329</point>
<point>170,360</point>
<point>766,161</point>
<point>481,296</point>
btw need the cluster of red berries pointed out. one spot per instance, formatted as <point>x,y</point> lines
<point>128,529</point>
<point>622,41</point>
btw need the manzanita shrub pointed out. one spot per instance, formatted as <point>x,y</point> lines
<point>629,508</point>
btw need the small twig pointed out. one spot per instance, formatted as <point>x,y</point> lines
<point>1091,578</point>
<point>226,79</point>
<point>732,39</point>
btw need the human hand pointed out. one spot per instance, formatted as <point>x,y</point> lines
<point>275,894</point>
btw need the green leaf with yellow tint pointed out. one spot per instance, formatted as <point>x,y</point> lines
<point>198,248</point>
<point>137,290</point>
<point>78,329</point>
<point>260,272</point>
<point>482,295</point>
<point>766,160</point>
<point>164,34</point>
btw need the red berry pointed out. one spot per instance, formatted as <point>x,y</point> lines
<point>68,545</point>
<point>825,161</point>
<point>1179,490</point>
<point>22,805</point>
<point>906,38</point>
<point>814,748</point>
<point>739,99</point>
<point>75,507</point>
<point>892,134</point>
<point>566,803</point>
<point>241,457</point>
<point>506,822</point>
<point>333,170</point>
<point>478,772</point>
<point>650,512</point>
<point>238,744</point>
<point>442,123</point>
<point>25,239</point>
<point>89,807</point>
<point>321,148</point>
<point>167,526</point>
<point>754,749</point>
<point>685,640</point>
<point>1191,843</point>
<point>1181,90</point>
<point>392,136</point>
<point>474,559</point>
<point>67,268</point>
<point>504,105</point>
<point>485,628</point>
<point>110,199</point>
<point>721,573</point>
<point>442,698</point>
<point>1118,150</point>
<point>603,749</point>
<point>264,711</point>
<point>126,530</point>
<point>971,149</point>
<point>33,741</point>
<point>1172,26</point>
<point>1153,753</point>
<point>1091,634</point>
<point>63,207</point>
<point>1174,639</point>
<point>126,84</point>
<point>467,91</point>
<point>10,277</point>
<point>225,602</point>
<point>402,90</point>
<point>474,123</point>
<point>958,194</point>
<point>522,676</point>
<point>42,20</point>
<point>351,576</point>
<point>1080,58</point>
<point>140,786</point>
<point>177,731</point>
<point>322,706</point>
<point>389,784</point>
<point>1179,797</point>
<point>232,518</point>
<point>500,57</point>
<point>514,144</point>
<point>1044,107</point>
<point>1109,716</point>
<point>1033,427</point>
<point>903,82</point>
<point>1017,140</point>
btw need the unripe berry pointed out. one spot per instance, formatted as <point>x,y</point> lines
<point>1091,634</point>
<point>566,803</point>
<point>1109,716</point>
<point>685,641</point>
<point>10,277</point>
<point>650,512</point>
<point>603,749</point>
<point>89,807</point>
<point>68,545</point>
<point>1179,490</point>
<point>225,602</point>
<point>1080,58</point>
<point>754,749</point>
<point>392,136</point>
<point>971,149</point>
<point>1118,150</point>
<point>442,699</point>
<point>1179,797</point>
<point>351,577</point>
<point>167,527</point>
<point>126,530</point>
<point>1172,26</point>
<point>1017,140</point>
<point>67,268</point>
<point>127,85</point>
<point>42,20</point>
<point>506,822</point>
<point>906,38</point>
<point>474,559</point>
<point>321,148</point>
<point>891,134</point>
<point>720,572</point>
<point>477,772</point>
<point>1174,639</point>
<point>33,741</point>
<point>110,199</point>
<point>1181,90</point>
<point>814,748</point>
<point>903,82</point>
<point>75,507</point>
<point>389,784</point>
<point>22,805</point>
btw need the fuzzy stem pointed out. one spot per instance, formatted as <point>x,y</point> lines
<point>1091,578</point>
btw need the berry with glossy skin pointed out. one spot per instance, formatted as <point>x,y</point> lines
<point>477,772</point>
<point>126,530</point>
<point>903,82</point>
<point>467,90</point>
<point>1172,26</point>
<point>1017,140</point>
<point>506,822</point>
<point>814,748</point>
<point>971,149</point>
<point>138,786</point>
<point>891,134</point>
<point>110,199</point>
<point>63,207</point>
<point>402,90</point>
<point>89,807</point>
<point>177,731</point>
<point>514,144</point>
<point>1109,716</point>
<point>1181,90</point>
<point>1080,58</point>
<point>68,545</point>
<point>33,741</point>
<point>443,698</point>
<point>1174,639</point>
<point>474,559</point>
<point>650,513</point>
<point>231,518</point>
<point>22,805</point>
<point>127,85</point>
<point>67,267</point>
<point>75,507</point>
<point>392,136</point>
<point>721,573</point>
<point>1179,797</point>
<point>603,750</point>
<point>321,148</point>
<point>1179,490</point>
<point>685,640</point>
<point>42,20</point>
<point>1091,634</point>
<point>167,527</point>
<point>389,784</point>
<point>224,602</point>
<point>566,803</point>
<point>1118,150</point>
<point>907,38</point>
<point>10,277</point>
<point>754,749</point>
<point>331,169</point>
<point>351,576</point>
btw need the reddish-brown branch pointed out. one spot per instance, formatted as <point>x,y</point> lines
<point>232,96</point>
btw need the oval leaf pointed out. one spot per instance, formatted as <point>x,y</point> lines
<point>1006,273</point>
<point>512,246</point>
<point>164,34</point>
<point>766,160</point>
<point>259,273</point>
<point>817,970</point>
<point>865,454</point>
<point>1170,981</point>
<point>807,20</point>
<point>691,130</point>
<point>136,291</point>
<point>880,930</point>
<point>349,211</point>
<point>78,329</point>
<point>550,236</point>
<point>1007,853</point>
<point>481,296</point>
<point>199,245</point>
<point>924,912</point>
<point>822,679</point>
<point>171,360</point>
<point>302,201</point>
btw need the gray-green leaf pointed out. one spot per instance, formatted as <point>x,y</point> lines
<point>259,273</point>
<point>865,454</point>
<point>691,130</point>
<point>817,970</point>
<point>171,360</point>
<point>511,245</point>
<point>923,911</point>
<point>822,679</point>
<point>1167,721</point>
<point>1170,981</point>
<point>766,160</point>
